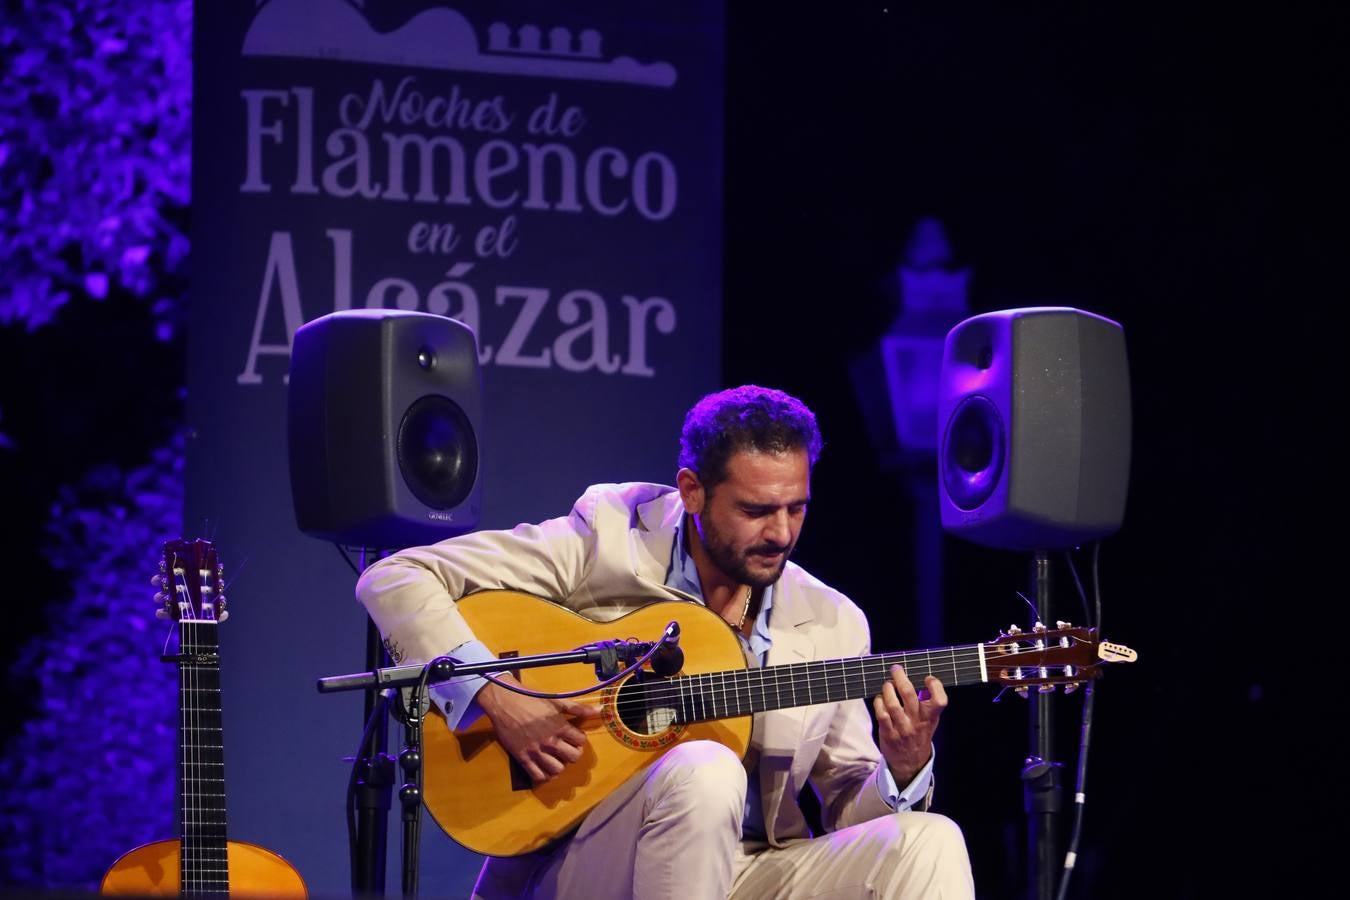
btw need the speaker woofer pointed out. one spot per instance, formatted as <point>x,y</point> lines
<point>437,452</point>
<point>972,462</point>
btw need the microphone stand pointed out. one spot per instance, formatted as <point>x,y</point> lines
<point>410,795</point>
<point>604,654</point>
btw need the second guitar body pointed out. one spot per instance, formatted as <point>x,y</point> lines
<point>153,870</point>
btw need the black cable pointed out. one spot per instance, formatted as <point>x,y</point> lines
<point>1080,794</point>
<point>1089,702</point>
<point>1097,583</point>
<point>1078,583</point>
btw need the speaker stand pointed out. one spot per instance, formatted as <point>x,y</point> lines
<point>374,786</point>
<point>1042,794</point>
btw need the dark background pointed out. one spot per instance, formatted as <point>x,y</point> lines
<point>1168,168</point>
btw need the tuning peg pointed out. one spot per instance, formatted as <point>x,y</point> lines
<point>157,580</point>
<point>223,616</point>
<point>1013,629</point>
<point>1022,692</point>
<point>1045,688</point>
<point>162,613</point>
<point>1070,687</point>
<point>1038,627</point>
<point>1060,623</point>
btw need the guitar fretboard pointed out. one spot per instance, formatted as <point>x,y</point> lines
<point>204,868</point>
<point>742,692</point>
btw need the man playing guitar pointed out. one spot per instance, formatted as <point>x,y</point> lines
<point>698,821</point>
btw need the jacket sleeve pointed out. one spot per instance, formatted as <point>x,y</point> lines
<point>411,595</point>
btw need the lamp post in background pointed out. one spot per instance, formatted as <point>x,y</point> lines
<point>896,383</point>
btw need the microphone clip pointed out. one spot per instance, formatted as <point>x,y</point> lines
<point>666,656</point>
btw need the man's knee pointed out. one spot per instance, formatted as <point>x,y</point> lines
<point>702,775</point>
<point>931,832</point>
<point>933,843</point>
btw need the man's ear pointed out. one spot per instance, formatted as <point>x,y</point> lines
<point>691,491</point>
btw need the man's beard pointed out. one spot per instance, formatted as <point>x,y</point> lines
<point>736,565</point>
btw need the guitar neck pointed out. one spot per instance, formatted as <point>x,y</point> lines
<point>201,782</point>
<point>743,692</point>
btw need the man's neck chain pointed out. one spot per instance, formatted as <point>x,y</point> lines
<point>745,607</point>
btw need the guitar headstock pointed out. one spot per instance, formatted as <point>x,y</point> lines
<point>1046,657</point>
<point>191,583</point>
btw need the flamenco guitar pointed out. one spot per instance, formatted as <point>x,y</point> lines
<point>202,860</point>
<point>484,800</point>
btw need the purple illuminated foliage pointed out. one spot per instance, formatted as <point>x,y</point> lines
<point>94,152</point>
<point>94,190</point>
<point>92,774</point>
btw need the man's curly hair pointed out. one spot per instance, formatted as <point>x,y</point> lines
<point>745,418</point>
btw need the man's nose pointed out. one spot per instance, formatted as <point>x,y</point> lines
<point>777,529</point>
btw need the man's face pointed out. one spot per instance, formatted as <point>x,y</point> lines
<point>750,522</point>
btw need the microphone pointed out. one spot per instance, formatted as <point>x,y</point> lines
<point>669,658</point>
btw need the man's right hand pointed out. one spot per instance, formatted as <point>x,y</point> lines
<point>536,732</point>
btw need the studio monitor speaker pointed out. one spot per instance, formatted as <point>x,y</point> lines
<point>1034,428</point>
<point>384,422</point>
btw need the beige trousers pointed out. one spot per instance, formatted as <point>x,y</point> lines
<point>675,832</point>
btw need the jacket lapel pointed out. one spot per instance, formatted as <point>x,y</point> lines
<point>651,543</point>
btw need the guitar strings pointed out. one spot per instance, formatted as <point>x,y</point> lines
<point>700,693</point>
<point>717,687</point>
<point>692,702</point>
<point>961,661</point>
<point>818,673</point>
<point>203,862</point>
<point>186,747</point>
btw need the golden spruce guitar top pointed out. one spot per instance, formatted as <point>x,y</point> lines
<point>486,802</point>
<point>202,860</point>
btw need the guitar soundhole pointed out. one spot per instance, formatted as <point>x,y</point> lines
<point>647,705</point>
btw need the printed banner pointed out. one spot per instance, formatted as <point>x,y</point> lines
<point>548,175</point>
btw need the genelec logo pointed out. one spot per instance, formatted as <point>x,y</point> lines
<point>441,516</point>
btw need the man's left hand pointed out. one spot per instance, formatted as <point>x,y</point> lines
<point>906,720</point>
